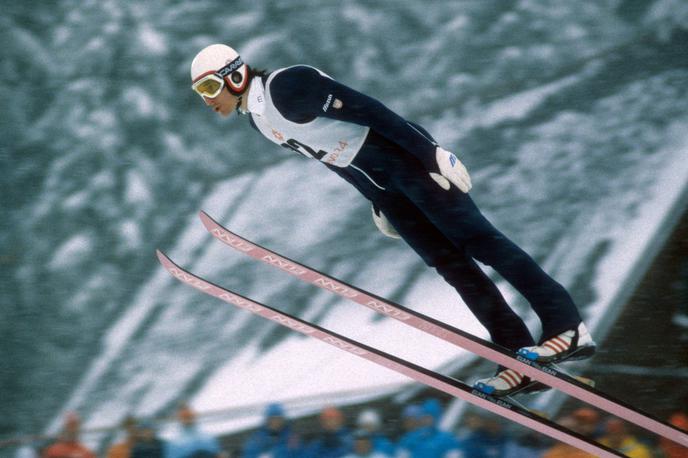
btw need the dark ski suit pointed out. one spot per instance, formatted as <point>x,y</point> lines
<point>445,228</point>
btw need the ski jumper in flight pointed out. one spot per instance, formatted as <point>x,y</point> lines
<point>418,191</point>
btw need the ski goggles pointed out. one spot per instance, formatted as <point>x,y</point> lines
<point>211,84</point>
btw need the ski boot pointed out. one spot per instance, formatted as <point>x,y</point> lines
<point>507,382</point>
<point>571,345</point>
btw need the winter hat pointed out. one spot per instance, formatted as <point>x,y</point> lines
<point>368,417</point>
<point>274,410</point>
<point>680,420</point>
<point>412,411</point>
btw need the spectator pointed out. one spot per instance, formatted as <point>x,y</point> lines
<point>334,440</point>
<point>588,422</point>
<point>526,443</point>
<point>274,438</point>
<point>486,441</point>
<point>670,448</point>
<point>68,445</point>
<point>410,417</point>
<point>364,446</point>
<point>148,444</point>
<point>428,441</point>
<point>618,438</point>
<point>561,450</point>
<point>369,421</point>
<point>123,448</point>
<point>190,441</point>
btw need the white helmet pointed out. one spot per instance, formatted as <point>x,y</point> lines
<point>223,61</point>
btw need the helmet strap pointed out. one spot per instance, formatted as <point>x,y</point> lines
<point>231,73</point>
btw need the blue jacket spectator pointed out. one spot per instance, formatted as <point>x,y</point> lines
<point>148,444</point>
<point>274,438</point>
<point>335,440</point>
<point>410,417</point>
<point>369,422</point>
<point>190,442</point>
<point>428,441</point>
<point>487,441</point>
<point>364,448</point>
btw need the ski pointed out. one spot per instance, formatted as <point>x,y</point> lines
<point>428,377</point>
<point>480,347</point>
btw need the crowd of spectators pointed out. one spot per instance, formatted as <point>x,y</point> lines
<point>416,434</point>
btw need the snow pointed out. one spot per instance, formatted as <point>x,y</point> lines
<point>130,233</point>
<point>138,98</point>
<point>152,40</point>
<point>71,251</point>
<point>137,190</point>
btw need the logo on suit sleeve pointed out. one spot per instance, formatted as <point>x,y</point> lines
<point>337,104</point>
<point>327,102</point>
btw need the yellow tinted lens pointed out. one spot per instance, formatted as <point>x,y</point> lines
<point>209,87</point>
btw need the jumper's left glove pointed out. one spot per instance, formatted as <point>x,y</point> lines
<point>451,171</point>
<point>383,224</point>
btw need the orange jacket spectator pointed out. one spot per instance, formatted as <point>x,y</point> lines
<point>566,451</point>
<point>123,449</point>
<point>68,445</point>
<point>582,421</point>
<point>68,450</point>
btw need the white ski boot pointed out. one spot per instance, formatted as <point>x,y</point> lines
<point>507,382</point>
<point>571,345</point>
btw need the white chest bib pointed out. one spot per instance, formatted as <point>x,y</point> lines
<point>327,140</point>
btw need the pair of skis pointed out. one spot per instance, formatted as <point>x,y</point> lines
<point>480,347</point>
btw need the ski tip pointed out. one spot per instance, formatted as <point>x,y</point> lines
<point>207,221</point>
<point>162,257</point>
<point>166,262</point>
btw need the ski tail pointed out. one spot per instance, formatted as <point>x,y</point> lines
<point>420,374</point>
<point>480,347</point>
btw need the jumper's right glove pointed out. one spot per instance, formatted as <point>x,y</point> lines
<point>451,171</point>
<point>383,224</point>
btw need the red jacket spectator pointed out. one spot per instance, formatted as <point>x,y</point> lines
<point>68,445</point>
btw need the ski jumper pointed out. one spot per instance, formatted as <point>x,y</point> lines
<point>388,160</point>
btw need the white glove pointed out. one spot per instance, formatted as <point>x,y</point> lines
<point>451,171</point>
<point>383,224</point>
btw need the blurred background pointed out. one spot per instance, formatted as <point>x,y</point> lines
<point>571,117</point>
